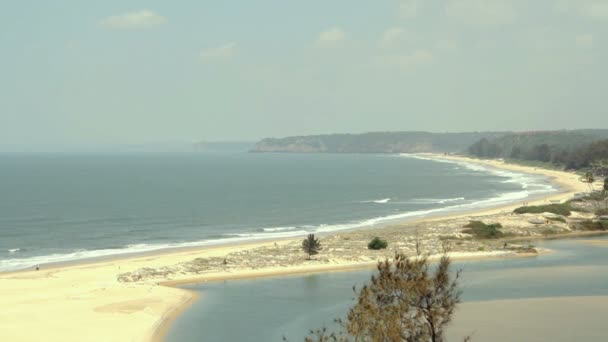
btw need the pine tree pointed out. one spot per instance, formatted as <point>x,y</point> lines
<point>405,301</point>
<point>311,246</point>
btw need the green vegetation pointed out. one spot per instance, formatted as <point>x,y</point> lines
<point>375,142</point>
<point>481,230</point>
<point>311,245</point>
<point>605,184</point>
<point>601,212</point>
<point>549,231</point>
<point>557,219</point>
<point>564,209</point>
<point>404,301</point>
<point>377,243</point>
<point>594,196</point>
<point>573,149</point>
<point>592,225</point>
<point>576,149</point>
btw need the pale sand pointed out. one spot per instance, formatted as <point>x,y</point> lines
<point>557,319</point>
<point>601,243</point>
<point>86,302</point>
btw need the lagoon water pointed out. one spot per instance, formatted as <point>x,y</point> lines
<point>267,309</point>
<point>59,207</point>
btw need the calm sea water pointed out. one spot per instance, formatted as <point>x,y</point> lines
<point>56,207</point>
<point>266,309</point>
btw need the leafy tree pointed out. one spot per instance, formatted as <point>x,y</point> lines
<point>405,301</point>
<point>311,245</point>
<point>485,149</point>
<point>516,152</point>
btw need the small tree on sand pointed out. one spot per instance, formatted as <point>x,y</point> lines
<point>311,245</point>
<point>404,301</point>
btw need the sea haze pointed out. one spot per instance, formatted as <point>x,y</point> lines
<point>59,207</point>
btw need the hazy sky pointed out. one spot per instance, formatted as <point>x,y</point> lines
<point>138,71</point>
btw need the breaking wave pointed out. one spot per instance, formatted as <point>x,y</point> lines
<point>530,185</point>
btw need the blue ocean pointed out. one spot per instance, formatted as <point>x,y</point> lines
<point>62,207</point>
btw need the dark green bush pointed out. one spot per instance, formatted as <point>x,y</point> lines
<point>591,225</point>
<point>601,212</point>
<point>595,196</point>
<point>549,231</point>
<point>377,243</point>
<point>563,209</point>
<point>481,230</point>
<point>558,219</point>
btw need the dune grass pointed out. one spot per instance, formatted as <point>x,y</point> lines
<point>564,209</point>
<point>481,230</point>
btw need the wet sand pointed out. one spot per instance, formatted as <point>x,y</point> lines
<point>530,320</point>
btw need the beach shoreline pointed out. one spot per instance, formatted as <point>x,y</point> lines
<point>444,211</point>
<point>144,310</point>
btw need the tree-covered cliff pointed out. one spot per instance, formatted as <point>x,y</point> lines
<point>376,142</point>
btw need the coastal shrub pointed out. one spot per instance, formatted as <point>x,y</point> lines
<point>407,299</point>
<point>377,243</point>
<point>481,230</point>
<point>601,212</point>
<point>557,219</point>
<point>595,196</point>
<point>564,209</point>
<point>549,231</point>
<point>590,225</point>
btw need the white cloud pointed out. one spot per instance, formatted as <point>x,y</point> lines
<point>409,8</point>
<point>221,52</point>
<point>584,40</point>
<point>407,61</point>
<point>481,12</point>
<point>331,36</point>
<point>134,20</point>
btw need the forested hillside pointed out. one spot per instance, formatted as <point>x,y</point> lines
<point>376,142</point>
<point>572,149</point>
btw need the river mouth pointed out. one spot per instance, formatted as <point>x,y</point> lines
<point>269,308</point>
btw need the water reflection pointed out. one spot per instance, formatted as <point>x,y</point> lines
<point>268,308</point>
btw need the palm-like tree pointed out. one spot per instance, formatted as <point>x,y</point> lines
<point>311,245</point>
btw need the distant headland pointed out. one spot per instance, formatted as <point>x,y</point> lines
<point>417,141</point>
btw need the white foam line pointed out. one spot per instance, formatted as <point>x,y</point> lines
<point>294,231</point>
<point>379,201</point>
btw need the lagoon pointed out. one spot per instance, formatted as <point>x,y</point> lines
<point>267,309</point>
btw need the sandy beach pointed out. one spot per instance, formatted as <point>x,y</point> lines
<point>132,298</point>
<point>532,319</point>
